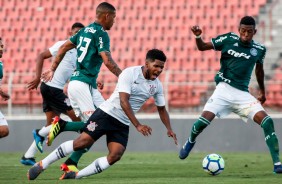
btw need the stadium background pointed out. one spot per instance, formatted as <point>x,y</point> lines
<point>31,26</point>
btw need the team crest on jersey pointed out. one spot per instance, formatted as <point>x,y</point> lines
<point>152,89</point>
<point>254,52</point>
<point>92,126</point>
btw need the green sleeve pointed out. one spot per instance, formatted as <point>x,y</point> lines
<point>1,70</point>
<point>219,41</point>
<point>75,38</point>
<point>103,43</point>
<point>262,56</point>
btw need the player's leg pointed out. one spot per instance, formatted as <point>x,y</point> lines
<point>4,129</point>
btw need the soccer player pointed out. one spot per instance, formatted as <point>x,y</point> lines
<point>4,129</point>
<point>135,85</point>
<point>239,55</point>
<point>55,101</point>
<point>93,49</point>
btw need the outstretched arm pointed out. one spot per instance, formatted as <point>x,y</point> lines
<point>4,95</point>
<point>202,46</point>
<point>126,107</point>
<point>260,78</point>
<point>48,75</point>
<point>166,121</point>
<point>110,63</point>
<point>39,65</point>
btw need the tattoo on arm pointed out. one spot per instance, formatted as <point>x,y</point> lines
<point>113,67</point>
<point>57,61</point>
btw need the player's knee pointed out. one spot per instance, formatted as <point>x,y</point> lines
<point>113,158</point>
<point>4,131</point>
<point>82,143</point>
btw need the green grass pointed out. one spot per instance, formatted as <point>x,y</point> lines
<point>152,168</point>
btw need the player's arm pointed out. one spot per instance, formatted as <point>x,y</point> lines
<point>126,107</point>
<point>202,46</point>
<point>110,63</point>
<point>39,65</point>
<point>68,45</point>
<point>166,121</point>
<point>4,95</point>
<point>260,79</point>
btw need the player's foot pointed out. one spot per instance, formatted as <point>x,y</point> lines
<point>27,161</point>
<point>34,171</point>
<point>277,169</point>
<point>67,168</point>
<point>38,140</point>
<point>68,175</point>
<point>54,131</point>
<point>185,150</point>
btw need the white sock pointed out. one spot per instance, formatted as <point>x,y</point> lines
<point>62,151</point>
<point>44,131</point>
<point>95,167</point>
<point>31,151</point>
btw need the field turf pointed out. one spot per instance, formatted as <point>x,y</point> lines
<point>152,168</point>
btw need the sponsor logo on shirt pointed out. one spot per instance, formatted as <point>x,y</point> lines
<point>258,47</point>
<point>101,42</point>
<point>220,39</point>
<point>235,37</point>
<point>238,54</point>
<point>220,75</point>
<point>89,29</point>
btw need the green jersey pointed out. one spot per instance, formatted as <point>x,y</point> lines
<point>237,60</point>
<point>1,71</point>
<point>90,41</point>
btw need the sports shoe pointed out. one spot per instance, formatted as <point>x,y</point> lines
<point>66,168</point>
<point>34,171</point>
<point>27,161</point>
<point>39,140</point>
<point>68,175</point>
<point>277,169</point>
<point>185,150</point>
<point>54,131</point>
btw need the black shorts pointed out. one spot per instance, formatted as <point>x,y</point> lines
<point>101,123</point>
<point>54,99</point>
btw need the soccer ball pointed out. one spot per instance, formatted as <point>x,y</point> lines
<point>213,164</point>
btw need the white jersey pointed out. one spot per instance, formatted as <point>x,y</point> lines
<point>132,81</point>
<point>65,68</point>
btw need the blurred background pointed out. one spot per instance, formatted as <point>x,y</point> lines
<point>28,27</point>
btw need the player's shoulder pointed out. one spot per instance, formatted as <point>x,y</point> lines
<point>226,37</point>
<point>60,42</point>
<point>132,69</point>
<point>259,46</point>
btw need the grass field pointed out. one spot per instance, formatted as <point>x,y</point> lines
<point>152,168</point>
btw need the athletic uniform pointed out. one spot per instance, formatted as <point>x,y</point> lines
<point>237,62</point>
<point>110,119</point>
<point>53,96</point>
<point>90,42</point>
<point>2,118</point>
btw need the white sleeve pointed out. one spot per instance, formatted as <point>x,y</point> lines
<point>159,96</point>
<point>125,81</point>
<point>54,49</point>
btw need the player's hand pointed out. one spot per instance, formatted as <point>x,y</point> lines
<point>33,84</point>
<point>170,133</point>
<point>100,84</point>
<point>261,98</point>
<point>144,129</point>
<point>196,30</point>
<point>4,95</point>
<point>47,75</point>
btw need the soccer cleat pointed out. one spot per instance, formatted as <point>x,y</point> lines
<point>34,171</point>
<point>66,168</point>
<point>277,169</point>
<point>54,131</point>
<point>27,161</point>
<point>38,140</point>
<point>68,175</point>
<point>185,150</point>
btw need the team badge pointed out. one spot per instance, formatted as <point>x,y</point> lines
<point>152,89</point>
<point>91,126</point>
<point>254,52</point>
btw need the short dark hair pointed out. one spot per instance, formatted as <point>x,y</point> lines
<point>248,20</point>
<point>77,25</point>
<point>156,54</point>
<point>105,7</point>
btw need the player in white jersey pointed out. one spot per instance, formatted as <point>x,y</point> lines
<point>55,100</point>
<point>113,117</point>
<point>4,129</point>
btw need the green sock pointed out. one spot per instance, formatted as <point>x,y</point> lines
<point>74,126</point>
<point>197,128</point>
<point>270,138</point>
<point>75,157</point>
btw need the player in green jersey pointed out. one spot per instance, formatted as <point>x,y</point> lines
<point>239,55</point>
<point>93,49</point>
<point>4,129</point>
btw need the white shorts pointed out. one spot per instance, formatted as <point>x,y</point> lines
<point>84,99</point>
<point>226,99</point>
<point>2,120</point>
